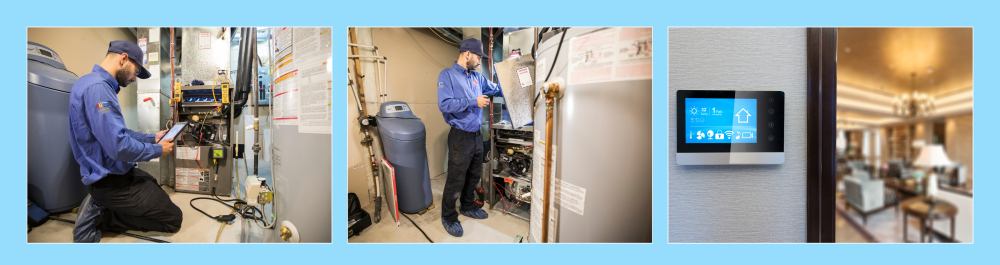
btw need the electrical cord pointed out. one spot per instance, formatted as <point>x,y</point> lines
<point>418,228</point>
<point>121,233</point>
<point>552,67</point>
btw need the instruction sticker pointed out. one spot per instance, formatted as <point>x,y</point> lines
<point>204,40</point>
<point>186,153</point>
<point>187,178</point>
<point>154,35</point>
<point>524,76</point>
<point>154,56</point>
<point>571,196</point>
<point>154,71</point>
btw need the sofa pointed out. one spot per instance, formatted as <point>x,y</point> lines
<point>963,219</point>
<point>864,194</point>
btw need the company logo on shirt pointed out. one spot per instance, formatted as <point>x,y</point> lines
<point>440,84</point>
<point>103,107</point>
<point>475,82</point>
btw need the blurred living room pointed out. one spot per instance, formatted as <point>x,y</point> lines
<point>904,135</point>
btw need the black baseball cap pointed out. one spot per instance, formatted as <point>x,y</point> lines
<point>133,52</point>
<point>473,45</point>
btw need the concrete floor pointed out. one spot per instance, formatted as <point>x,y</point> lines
<point>196,227</point>
<point>495,229</point>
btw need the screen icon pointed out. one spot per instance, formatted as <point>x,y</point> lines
<point>743,116</point>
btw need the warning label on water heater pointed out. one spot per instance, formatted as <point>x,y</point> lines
<point>611,55</point>
<point>570,196</point>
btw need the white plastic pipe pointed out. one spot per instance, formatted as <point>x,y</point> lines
<point>362,46</point>
<point>365,56</point>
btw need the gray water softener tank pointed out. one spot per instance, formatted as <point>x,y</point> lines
<point>53,175</point>
<point>404,140</point>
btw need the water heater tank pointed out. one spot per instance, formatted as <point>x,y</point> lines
<point>53,174</point>
<point>404,140</point>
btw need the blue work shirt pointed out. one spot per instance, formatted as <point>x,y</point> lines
<point>101,143</point>
<point>458,89</point>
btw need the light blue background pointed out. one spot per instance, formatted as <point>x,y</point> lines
<point>658,14</point>
<point>719,115</point>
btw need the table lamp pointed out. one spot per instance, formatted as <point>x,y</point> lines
<point>932,156</point>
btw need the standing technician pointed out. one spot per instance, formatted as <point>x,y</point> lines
<point>122,197</point>
<point>461,97</point>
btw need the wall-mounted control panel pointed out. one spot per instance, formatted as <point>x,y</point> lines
<point>722,127</point>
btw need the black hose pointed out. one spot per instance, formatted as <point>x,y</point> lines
<point>418,228</point>
<point>122,233</point>
<point>244,73</point>
<point>553,67</point>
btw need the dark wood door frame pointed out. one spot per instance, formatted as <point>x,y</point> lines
<point>821,133</point>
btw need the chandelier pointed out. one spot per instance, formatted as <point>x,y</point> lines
<point>913,105</point>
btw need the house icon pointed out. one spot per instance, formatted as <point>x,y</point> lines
<point>740,118</point>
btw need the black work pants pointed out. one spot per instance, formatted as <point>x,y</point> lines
<point>465,168</point>
<point>134,201</point>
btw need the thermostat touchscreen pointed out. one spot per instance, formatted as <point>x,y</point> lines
<point>720,120</point>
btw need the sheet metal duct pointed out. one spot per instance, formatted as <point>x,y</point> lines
<point>515,77</point>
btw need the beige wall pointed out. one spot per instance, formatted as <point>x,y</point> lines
<point>958,142</point>
<point>416,56</point>
<point>81,49</point>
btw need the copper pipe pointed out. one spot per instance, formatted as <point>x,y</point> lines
<point>551,92</point>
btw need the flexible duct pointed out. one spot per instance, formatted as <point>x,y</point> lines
<point>448,34</point>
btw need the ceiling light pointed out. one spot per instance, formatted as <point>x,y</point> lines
<point>913,105</point>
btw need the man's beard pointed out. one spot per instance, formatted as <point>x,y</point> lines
<point>471,65</point>
<point>122,77</point>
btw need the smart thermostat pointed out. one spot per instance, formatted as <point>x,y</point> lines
<point>723,127</point>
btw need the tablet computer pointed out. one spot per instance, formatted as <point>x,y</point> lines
<point>174,131</point>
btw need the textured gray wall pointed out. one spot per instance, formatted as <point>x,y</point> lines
<point>740,203</point>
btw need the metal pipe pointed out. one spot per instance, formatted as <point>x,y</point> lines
<point>551,92</point>
<point>385,80</point>
<point>362,46</point>
<point>378,84</point>
<point>256,99</point>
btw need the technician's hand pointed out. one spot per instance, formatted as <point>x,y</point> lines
<point>483,101</point>
<point>160,135</point>
<point>168,146</point>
